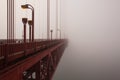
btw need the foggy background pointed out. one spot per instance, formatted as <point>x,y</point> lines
<point>93,29</point>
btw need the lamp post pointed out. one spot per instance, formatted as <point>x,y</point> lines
<point>30,26</point>
<point>29,6</point>
<point>24,20</point>
<point>51,33</point>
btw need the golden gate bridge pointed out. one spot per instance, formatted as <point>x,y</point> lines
<point>29,59</point>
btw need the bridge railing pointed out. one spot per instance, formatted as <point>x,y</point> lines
<point>5,41</point>
<point>11,52</point>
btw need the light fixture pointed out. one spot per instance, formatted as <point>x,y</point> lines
<point>29,6</point>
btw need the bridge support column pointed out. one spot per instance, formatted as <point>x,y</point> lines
<point>38,66</point>
<point>37,70</point>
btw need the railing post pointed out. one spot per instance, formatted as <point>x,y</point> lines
<point>6,52</point>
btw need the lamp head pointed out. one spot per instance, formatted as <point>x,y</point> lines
<point>30,22</point>
<point>24,20</point>
<point>24,6</point>
<point>51,30</point>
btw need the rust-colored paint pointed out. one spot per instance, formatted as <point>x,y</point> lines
<point>30,26</point>
<point>10,21</point>
<point>42,63</point>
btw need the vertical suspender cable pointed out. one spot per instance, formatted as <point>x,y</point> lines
<point>56,19</point>
<point>13,20</point>
<point>7,22</point>
<point>60,19</point>
<point>48,19</point>
<point>26,15</point>
<point>10,20</point>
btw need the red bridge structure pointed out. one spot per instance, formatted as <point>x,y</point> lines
<point>28,59</point>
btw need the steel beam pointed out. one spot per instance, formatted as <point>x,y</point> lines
<point>41,65</point>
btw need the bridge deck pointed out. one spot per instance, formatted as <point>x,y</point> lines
<point>46,56</point>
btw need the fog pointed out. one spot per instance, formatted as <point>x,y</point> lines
<point>93,30</point>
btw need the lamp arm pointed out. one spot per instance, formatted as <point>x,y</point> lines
<point>30,6</point>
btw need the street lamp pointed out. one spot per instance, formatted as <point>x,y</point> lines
<point>30,26</point>
<point>51,33</point>
<point>29,6</point>
<point>24,20</point>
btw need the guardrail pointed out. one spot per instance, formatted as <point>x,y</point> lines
<point>12,52</point>
<point>5,41</point>
<point>40,60</point>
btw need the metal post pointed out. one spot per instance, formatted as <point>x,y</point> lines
<point>51,33</point>
<point>29,6</point>
<point>24,20</point>
<point>33,25</point>
<point>30,33</point>
<point>30,26</point>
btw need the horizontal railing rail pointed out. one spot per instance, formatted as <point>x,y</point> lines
<point>10,52</point>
